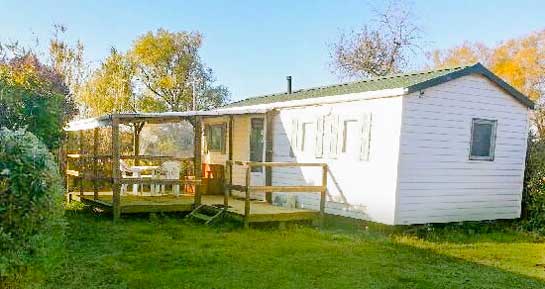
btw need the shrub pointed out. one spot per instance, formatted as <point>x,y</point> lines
<point>533,200</point>
<point>31,213</point>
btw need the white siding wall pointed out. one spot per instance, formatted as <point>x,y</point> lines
<point>359,189</point>
<point>437,181</point>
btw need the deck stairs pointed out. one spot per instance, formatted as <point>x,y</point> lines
<point>207,213</point>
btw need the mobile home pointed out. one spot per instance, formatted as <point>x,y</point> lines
<point>427,147</point>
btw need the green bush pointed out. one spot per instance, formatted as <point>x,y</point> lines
<point>31,212</point>
<point>533,200</point>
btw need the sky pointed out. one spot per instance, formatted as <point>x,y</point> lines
<point>253,45</point>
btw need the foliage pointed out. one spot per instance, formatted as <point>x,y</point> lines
<point>162,71</point>
<point>519,61</point>
<point>110,88</point>
<point>168,252</point>
<point>170,68</point>
<point>380,49</point>
<point>534,189</point>
<point>67,60</point>
<point>33,96</point>
<point>31,213</point>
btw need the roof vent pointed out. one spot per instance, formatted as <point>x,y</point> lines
<point>288,78</point>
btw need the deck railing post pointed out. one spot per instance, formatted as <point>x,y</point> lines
<point>81,163</point>
<point>95,164</point>
<point>323,195</point>
<point>227,186</point>
<point>116,187</point>
<point>198,195</point>
<point>269,116</point>
<point>197,142</point>
<point>247,197</point>
<point>229,164</point>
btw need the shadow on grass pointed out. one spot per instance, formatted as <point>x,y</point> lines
<point>500,231</point>
<point>169,252</point>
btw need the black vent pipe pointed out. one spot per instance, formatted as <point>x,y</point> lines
<point>288,78</point>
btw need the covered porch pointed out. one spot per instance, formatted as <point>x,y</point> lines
<point>106,167</point>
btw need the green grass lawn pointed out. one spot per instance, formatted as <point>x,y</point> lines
<point>170,252</point>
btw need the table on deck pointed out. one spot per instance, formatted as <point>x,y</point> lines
<point>137,173</point>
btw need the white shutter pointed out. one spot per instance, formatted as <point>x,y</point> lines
<point>319,151</point>
<point>365,136</point>
<point>334,139</point>
<point>293,144</point>
<point>299,130</point>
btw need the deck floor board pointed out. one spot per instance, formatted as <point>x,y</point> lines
<point>260,211</point>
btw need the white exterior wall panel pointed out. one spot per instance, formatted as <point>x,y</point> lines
<point>437,180</point>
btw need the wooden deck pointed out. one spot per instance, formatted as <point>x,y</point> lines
<point>260,211</point>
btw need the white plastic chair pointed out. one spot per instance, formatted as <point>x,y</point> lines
<point>125,169</point>
<point>168,170</point>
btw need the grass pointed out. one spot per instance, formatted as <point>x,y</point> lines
<point>170,252</point>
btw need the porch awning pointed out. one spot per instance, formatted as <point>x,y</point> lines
<point>159,117</point>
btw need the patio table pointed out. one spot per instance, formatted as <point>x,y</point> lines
<point>137,173</point>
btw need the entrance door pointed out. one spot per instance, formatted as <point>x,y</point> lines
<point>257,150</point>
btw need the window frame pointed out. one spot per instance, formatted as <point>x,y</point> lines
<point>344,136</point>
<point>303,148</point>
<point>493,135</point>
<point>222,128</point>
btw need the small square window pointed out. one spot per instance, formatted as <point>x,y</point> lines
<point>483,139</point>
<point>216,138</point>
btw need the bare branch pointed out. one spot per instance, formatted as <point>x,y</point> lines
<point>379,48</point>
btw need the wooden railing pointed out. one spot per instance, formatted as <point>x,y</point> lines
<point>247,188</point>
<point>82,160</point>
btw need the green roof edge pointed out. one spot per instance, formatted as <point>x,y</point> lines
<point>454,73</point>
<point>477,68</point>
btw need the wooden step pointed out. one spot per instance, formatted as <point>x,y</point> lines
<point>206,213</point>
<point>202,217</point>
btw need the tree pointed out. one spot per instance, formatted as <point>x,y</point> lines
<point>33,96</point>
<point>519,61</point>
<point>110,87</point>
<point>460,55</point>
<point>67,60</point>
<point>379,48</point>
<point>171,71</point>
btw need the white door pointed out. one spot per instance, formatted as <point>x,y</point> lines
<point>257,150</point>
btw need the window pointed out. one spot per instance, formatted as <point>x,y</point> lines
<point>350,137</point>
<point>257,135</point>
<point>216,138</point>
<point>307,138</point>
<point>483,138</point>
<point>355,137</point>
